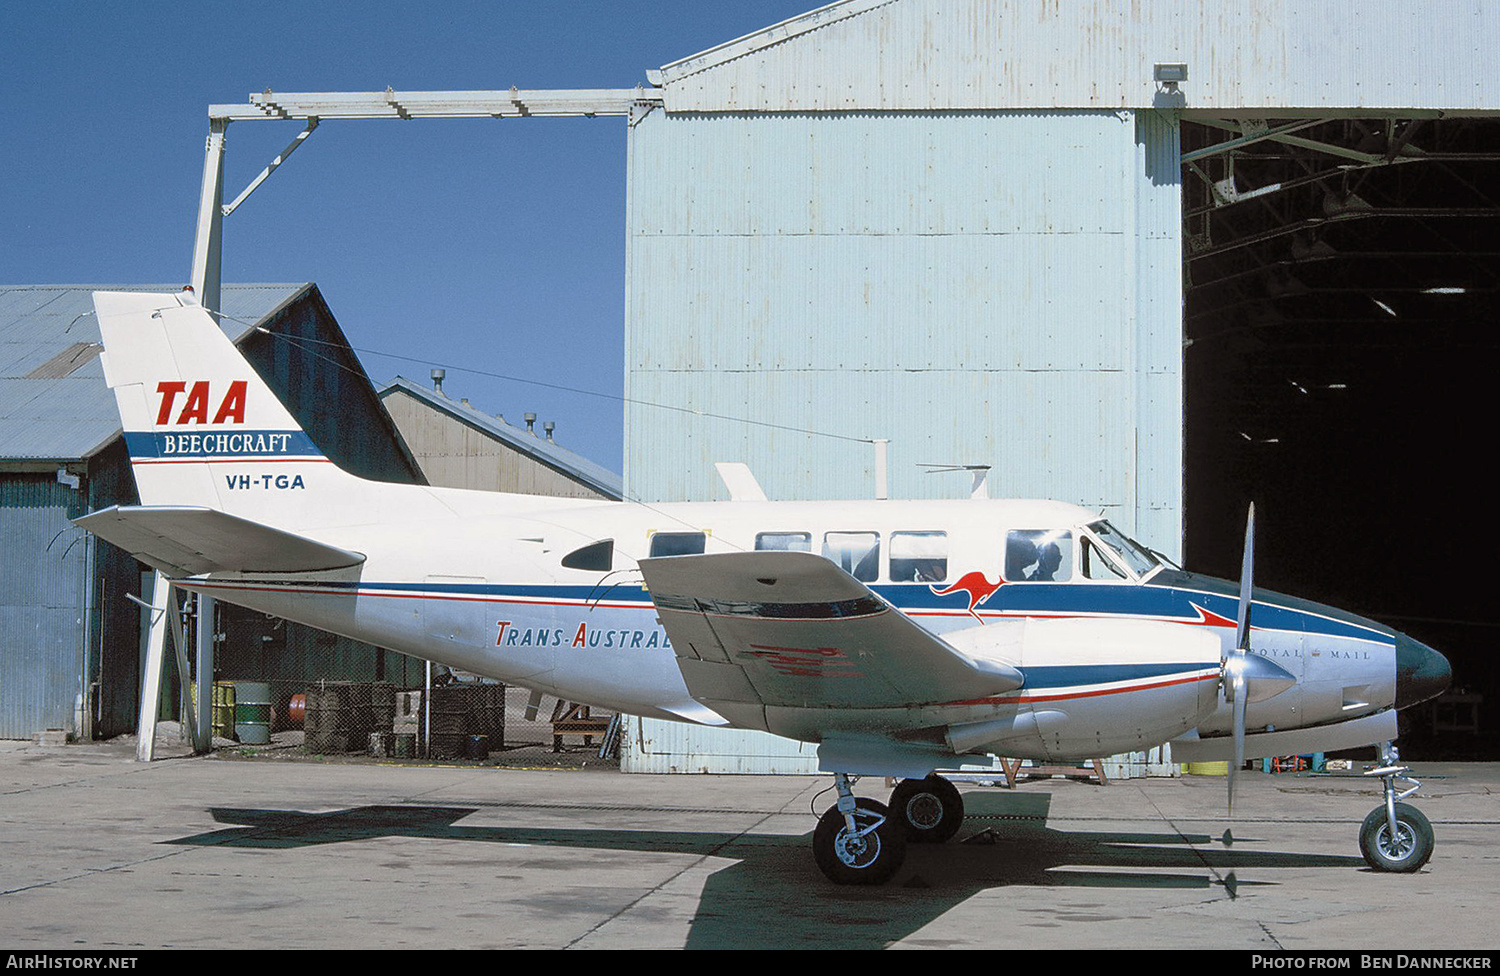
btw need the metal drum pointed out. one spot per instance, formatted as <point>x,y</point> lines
<point>252,712</point>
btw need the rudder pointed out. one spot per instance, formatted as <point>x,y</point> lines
<point>201,426</point>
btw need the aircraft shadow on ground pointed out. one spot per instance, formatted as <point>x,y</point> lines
<point>773,895</point>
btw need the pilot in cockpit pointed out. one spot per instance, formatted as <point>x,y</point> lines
<point>1048,559</point>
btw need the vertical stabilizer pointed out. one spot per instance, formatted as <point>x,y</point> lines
<point>202,428</point>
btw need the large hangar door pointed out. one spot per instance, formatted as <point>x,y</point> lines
<point>1341,281</point>
<point>978,287</point>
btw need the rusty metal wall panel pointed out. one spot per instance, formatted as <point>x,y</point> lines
<point>978,287</point>
<point>940,54</point>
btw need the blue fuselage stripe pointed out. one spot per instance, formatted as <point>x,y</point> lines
<point>1149,601</point>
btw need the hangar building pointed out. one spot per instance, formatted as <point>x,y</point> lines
<point>982,220</point>
<point>1158,258</point>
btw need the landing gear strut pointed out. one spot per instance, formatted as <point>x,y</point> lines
<point>856,841</point>
<point>1395,836</point>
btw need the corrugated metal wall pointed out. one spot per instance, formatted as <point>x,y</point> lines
<point>942,54</point>
<point>655,746</point>
<point>979,287</point>
<point>41,604</point>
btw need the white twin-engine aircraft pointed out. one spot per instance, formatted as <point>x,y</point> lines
<point>903,637</point>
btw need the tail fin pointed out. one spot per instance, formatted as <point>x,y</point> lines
<point>201,427</point>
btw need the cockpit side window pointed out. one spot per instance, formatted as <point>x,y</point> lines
<point>1095,564</point>
<point>1038,555</point>
<point>1135,557</point>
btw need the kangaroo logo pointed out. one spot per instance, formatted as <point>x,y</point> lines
<point>976,584</point>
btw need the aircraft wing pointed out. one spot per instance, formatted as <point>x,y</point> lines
<point>191,540</point>
<point>792,629</point>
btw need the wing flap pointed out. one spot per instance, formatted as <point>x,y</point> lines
<point>792,629</point>
<point>191,540</point>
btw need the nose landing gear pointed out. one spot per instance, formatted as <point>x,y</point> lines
<point>1396,836</point>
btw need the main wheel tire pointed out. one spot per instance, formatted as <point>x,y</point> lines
<point>1404,853</point>
<point>868,857</point>
<point>929,810</point>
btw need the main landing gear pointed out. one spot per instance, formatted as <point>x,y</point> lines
<point>1395,836</point>
<point>859,841</point>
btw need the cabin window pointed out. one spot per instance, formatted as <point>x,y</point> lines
<point>919,557</point>
<point>1038,555</point>
<point>677,543</point>
<point>784,541</point>
<point>596,556</point>
<point>857,553</point>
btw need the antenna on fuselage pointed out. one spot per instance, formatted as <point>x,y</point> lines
<point>981,472</point>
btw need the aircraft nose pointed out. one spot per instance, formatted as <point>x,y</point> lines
<point>1421,672</point>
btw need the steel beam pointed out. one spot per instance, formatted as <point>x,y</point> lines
<point>312,124</point>
<point>391,104</point>
<point>208,242</point>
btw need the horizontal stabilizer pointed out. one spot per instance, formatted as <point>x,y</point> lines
<point>191,540</point>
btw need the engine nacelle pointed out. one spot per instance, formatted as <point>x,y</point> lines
<point>1094,686</point>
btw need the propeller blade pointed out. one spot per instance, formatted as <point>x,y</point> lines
<point>1247,575</point>
<point>1236,687</point>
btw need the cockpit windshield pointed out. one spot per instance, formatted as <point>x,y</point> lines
<point>1131,554</point>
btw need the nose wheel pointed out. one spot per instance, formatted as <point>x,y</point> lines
<point>1396,836</point>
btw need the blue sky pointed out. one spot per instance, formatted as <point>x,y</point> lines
<point>494,245</point>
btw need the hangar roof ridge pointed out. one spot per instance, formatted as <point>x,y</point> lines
<point>550,453</point>
<point>770,36</point>
<point>1100,55</point>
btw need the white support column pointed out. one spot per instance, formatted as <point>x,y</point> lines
<point>179,647</point>
<point>882,468</point>
<point>207,244</point>
<point>156,654</point>
<point>203,728</point>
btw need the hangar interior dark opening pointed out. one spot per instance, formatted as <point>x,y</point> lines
<point>1341,280</point>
